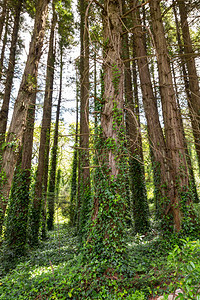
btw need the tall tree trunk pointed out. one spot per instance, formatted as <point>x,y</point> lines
<point>9,77</point>
<point>3,16</point>
<point>105,239</point>
<point>17,214</point>
<point>73,195</point>
<point>137,180</point>
<point>42,169</point>
<point>84,171</point>
<point>22,103</point>
<point>95,87</point>
<point>155,134</point>
<point>194,99</point>
<point>188,158</point>
<point>173,133</point>
<point>4,46</point>
<point>113,80</point>
<point>137,104</point>
<point>52,175</point>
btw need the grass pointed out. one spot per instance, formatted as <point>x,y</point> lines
<point>54,271</point>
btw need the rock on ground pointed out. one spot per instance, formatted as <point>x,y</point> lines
<point>172,296</point>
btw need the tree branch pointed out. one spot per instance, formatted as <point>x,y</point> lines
<point>134,8</point>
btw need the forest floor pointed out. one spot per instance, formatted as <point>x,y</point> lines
<point>48,272</point>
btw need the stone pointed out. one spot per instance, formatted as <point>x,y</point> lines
<point>171,297</point>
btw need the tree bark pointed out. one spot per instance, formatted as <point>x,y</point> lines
<point>113,78</point>
<point>17,214</point>
<point>84,171</point>
<point>194,99</point>
<point>188,158</point>
<point>3,16</point>
<point>52,176</point>
<point>155,134</point>
<point>42,170</point>
<point>173,133</point>
<point>9,77</point>
<point>73,194</point>
<point>108,216</point>
<point>137,180</point>
<point>27,88</point>
<point>4,46</point>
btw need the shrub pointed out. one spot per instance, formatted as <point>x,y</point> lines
<point>185,260</point>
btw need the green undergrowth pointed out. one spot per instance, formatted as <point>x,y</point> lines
<point>55,271</point>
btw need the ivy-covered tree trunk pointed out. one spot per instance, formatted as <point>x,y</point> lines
<point>9,77</point>
<point>84,171</point>
<point>179,178</point>
<point>17,214</point>
<point>42,169</point>
<point>54,151</point>
<point>22,104</point>
<point>105,240</point>
<point>137,180</point>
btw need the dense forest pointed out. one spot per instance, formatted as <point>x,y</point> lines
<point>99,149</point>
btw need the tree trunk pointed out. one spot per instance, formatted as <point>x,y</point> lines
<point>17,215</point>
<point>192,183</point>
<point>9,77</point>
<point>137,104</point>
<point>84,171</point>
<point>22,103</point>
<point>4,46</point>
<point>42,170</point>
<point>52,176</point>
<point>173,133</point>
<point>73,195</point>
<point>108,217</point>
<point>155,134</point>
<point>3,16</point>
<point>113,79</point>
<point>137,180</point>
<point>194,99</point>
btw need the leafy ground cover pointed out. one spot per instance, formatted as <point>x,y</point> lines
<point>154,267</point>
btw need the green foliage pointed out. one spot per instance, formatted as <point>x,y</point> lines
<point>17,216</point>
<point>104,248</point>
<point>53,193</point>
<point>57,270</point>
<point>42,270</point>
<point>65,22</point>
<point>72,209</point>
<point>34,222</point>
<point>190,221</point>
<point>96,32</point>
<point>116,74</point>
<point>30,7</point>
<point>137,295</point>
<point>84,210</point>
<point>185,260</point>
<point>104,251</point>
<point>3,200</point>
<point>139,198</point>
<point>197,210</point>
<point>52,186</point>
<point>31,83</point>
